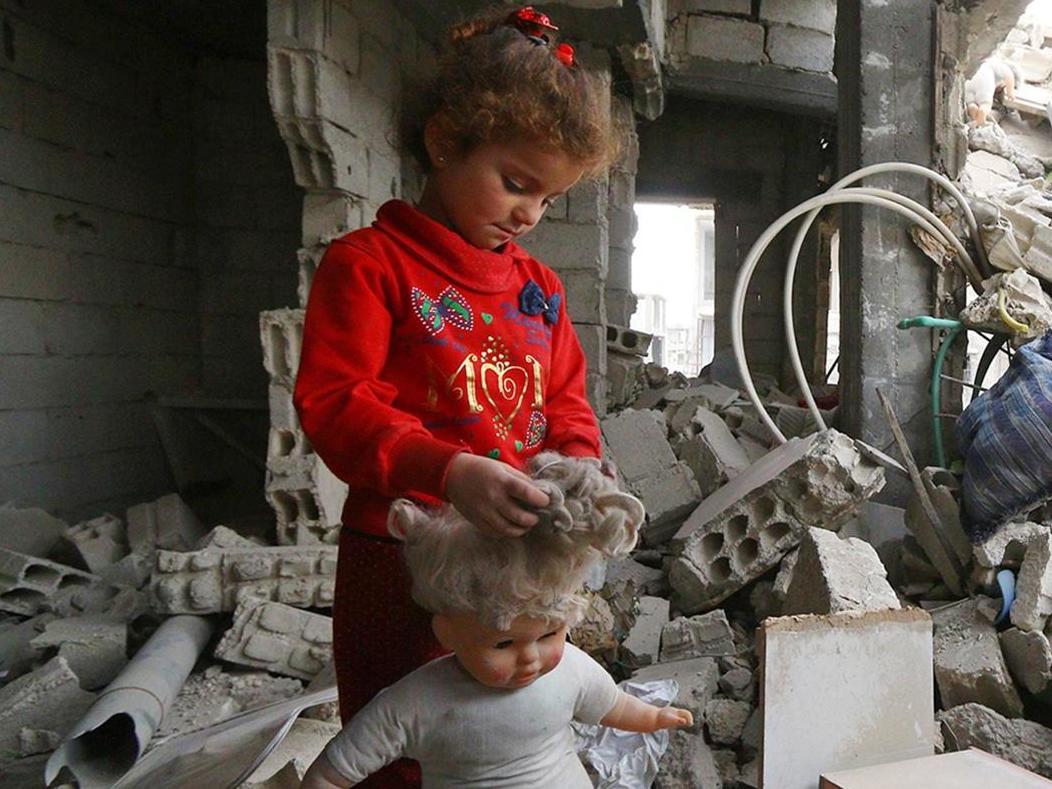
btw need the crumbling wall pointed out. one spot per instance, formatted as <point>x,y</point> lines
<point>117,142</point>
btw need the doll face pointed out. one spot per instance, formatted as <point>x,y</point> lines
<point>512,658</point>
<point>495,192</point>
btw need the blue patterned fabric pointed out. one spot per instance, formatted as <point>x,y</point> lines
<point>1005,435</point>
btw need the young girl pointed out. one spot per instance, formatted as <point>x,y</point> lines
<point>438,355</point>
<point>497,712</point>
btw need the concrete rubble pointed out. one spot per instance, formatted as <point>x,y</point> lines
<point>279,638</point>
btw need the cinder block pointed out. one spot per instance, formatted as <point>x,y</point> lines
<point>705,635</point>
<point>638,444</point>
<point>743,529</point>
<point>585,297</point>
<point>834,575</point>
<point>324,156</point>
<point>814,14</point>
<point>327,26</point>
<point>743,7</point>
<point>722,38</point>
<point>620,305</point>
<point>587,201</point>
<point>713,453</point>
<point>593,343</point>
<point>165,523</point>
<point>329,214</point>
<point>308,259</point>
<point>97,543</point>
<point>1007,546</point>
<point>281,333</point>
<point>307,499</point>
<point>628,341</point>
<point>568,247</point>
<point>796,47</point>
<point>278,638</point>
<point>624,378</point>
<point>94,647</point>
<point>211,580</point>
<point>29,585</point>
<point>969,666</point>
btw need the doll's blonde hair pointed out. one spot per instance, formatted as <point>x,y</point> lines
<point>457,568</point>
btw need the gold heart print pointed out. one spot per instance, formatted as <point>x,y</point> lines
<point>510,388</point>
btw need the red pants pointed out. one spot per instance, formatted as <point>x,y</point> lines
<point>379,635</point>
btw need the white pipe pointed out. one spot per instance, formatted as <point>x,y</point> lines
<point>760,246</point>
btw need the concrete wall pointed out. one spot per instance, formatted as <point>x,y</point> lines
<point>753,164</point>
<point>113,145</point>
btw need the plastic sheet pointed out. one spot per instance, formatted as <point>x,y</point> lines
<point>623,759</point>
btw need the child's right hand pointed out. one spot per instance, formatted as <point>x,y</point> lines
<point>493,495</point>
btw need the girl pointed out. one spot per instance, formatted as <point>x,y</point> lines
<point>497,711</point>
<point>437,354</point>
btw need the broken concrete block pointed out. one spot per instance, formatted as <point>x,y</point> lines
<point>744,528</point>
<point>17,653</point>
<point>725,719</point>
<point>645,580</point>
<point>727,764</point>
<point>34,741</point>
<point>989,173</point>
<point>1021,742</point>
<point>1029,658</point>
<point>834,575</point>
<point>1033,587</point>
<point>30,531</point>
<point>166,523</point>
<point>639,445</point>
<point>49,698</point>
<point>697,678</point>
<point>739,684</point>
<point>688,763</point>
<point>597,631</point>
<point>643,644</point>
<point>705,635</point>
<point>628,341</point>
<point>307,499</point>
<point>29,585</point>
<point>290,760</point>
<point>784,578</point>
<point>969,666</point>
<point>95,544</point>
<point>714,454</point>
<point>1007,546</point>
<point>225,538</point>
<point>281,334</point>
<point>944,541</point>
<point>95,647</point>
<point>209,581</point>
<point>133,571</point>
<point>828,678</point>
<point>278,638</point>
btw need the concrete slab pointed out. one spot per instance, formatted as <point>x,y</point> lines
<point>971,769</point>
<point>842,691</point>
<point>643,644</point>
<point>167,523</point>
<point>30,531</point>
<point>698,680</point>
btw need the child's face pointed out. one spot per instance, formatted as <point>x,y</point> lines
<point>512,658</point>
<point>497,191</point>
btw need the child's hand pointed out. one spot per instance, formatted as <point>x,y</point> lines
<point>673,718</point>
<point>493,495</point>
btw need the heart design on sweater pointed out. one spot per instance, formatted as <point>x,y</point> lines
<point>504,386</point>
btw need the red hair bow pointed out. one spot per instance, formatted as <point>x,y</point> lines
<point>565,55</point>
<point>537,26</point>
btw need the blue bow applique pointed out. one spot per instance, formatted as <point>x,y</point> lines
<point>532,301</point>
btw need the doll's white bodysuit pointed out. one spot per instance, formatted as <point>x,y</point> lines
<point>465,734</point>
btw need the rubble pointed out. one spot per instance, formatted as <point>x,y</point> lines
<point>712,453</point>
<point>725,719</point>
<point>286,765</point>
<point>278,638</point>
<point>93,646</point>
<point>30,531</point>
<point>1020,742</point>
<point>96,544</point>
<point>1033,589</point>
<point>698,680</point>
<point>969,666</point>
<point>745,527</point>
<point>1029,658</point>
<point>642,646</point>
<point>1007,546</point>
<point>834,575</point>
<point>705,635</point>
<point>166,523</point>
<point>29,585</point>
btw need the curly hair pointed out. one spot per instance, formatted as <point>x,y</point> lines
<point>493,84</point>
<point>456,568</point>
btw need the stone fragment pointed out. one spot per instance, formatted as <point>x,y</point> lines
<point>969,666</point>
<point>30,531</point>
<point>597,631</point>
<point>210,580</point>
<point>34,741</point>
<point>743,529</point>
<point>725,720</point>
<point>643,644</point>
<point>738,684</point>
<point>29,585</point>
<point>1007,546</point>
<point>133,571</point>
<point>639,445</point>
<point>278,638</point>
<point>166,523</point>
<point>697,679</point>
<point>1033,587</point>
<point>96,544</point>
<point>688,763</point>
<point>751,734</point>
<point>705,635</point>
<point>281,334</point>
<point>17,653</point>
<point>727,764</point>
<point>990,173</point>
<point>645,580</point>
<point>992,138</point>
<point>49,698</point>
<point>1029,658</point>
<point>1020,742</point>
<point>95,647</point>
<point>713,454</point>
<point>834,575</point>
<point>784,578</point>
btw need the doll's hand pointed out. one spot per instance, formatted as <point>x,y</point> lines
<point>674,717</point>
<point>493,495</point>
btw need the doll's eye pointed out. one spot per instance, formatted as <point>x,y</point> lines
<point>549,635</point>
<point>502,645</point>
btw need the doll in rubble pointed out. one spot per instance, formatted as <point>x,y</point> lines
<point>496,712</point>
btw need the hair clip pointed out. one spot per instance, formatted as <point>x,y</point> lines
<point>532,23</point>
<point>564,54</point>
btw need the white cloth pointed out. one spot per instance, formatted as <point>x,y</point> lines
<point>465,734</point>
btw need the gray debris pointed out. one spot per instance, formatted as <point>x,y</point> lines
<point>643,644</point>
<point>278,638</point>
<point>725,720</point>
<point>31,531</point>
<point>1020,742</point>
<point>1007,546</point>
<point>1029,658</point>
<point>1033,590</point>
<point>705,635</point>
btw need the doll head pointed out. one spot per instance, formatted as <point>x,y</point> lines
<point>504,604</point>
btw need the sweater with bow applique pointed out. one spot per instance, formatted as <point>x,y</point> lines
<point>418,346</point>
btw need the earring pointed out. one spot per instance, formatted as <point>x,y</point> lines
<point>441,159</point>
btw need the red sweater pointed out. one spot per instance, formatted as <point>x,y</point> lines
<point>416,347</point>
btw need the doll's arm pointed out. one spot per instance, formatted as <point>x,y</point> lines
<point>322,775</point>
<point>631,714</point>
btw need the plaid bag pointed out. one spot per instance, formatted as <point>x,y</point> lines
<point>1005,435</point>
